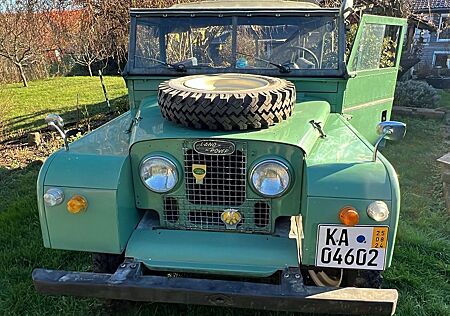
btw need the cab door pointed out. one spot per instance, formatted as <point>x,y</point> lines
<point>372,67</point>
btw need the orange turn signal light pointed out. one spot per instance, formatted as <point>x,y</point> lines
<point>77,204</point>
<point>349,216</point>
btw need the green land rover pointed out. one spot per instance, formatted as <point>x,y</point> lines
<point>245,172</point>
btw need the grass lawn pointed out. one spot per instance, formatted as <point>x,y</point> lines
<point>445,98</point>
<point>420,268</point>
<point>25,108</point>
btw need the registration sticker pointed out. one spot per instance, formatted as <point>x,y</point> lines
<point>360,247</point>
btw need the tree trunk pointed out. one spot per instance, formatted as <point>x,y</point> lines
<point>22,75</point>
<point>90,69</point>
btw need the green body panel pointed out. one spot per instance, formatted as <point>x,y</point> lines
<point>395,209</point>
<point>342,166</point>
<point>340,172</point>
<point>287,205</point>
<point>288,140</point>
<point>111,139</point>
<point>296,131</point>
<point>328,89</point>
<point>69,231</point>
<point>395,198</point>
<point>369,94</point>
<point>212,252</point>
<point>365,110</point>
<point>97,167</point>
<point>79,168</point>
<point>40,199</point>
<point>328,173</point>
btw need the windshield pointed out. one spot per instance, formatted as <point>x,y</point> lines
<point>249,44</point>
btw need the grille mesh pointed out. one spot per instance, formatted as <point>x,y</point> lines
<point>223,187</point>
<point>182,214</point>
<point>262,214</point>
<point>171,213</point>
<point>224,183</point>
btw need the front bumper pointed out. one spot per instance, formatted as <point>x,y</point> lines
<point>128,283</point>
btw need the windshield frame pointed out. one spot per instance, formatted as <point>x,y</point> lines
<point>138,14</point>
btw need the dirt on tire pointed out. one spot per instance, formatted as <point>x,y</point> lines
<point>226,101</point>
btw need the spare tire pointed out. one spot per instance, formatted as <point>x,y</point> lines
<point>226,101</point>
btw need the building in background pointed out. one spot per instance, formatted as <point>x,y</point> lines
<point>435,45</point>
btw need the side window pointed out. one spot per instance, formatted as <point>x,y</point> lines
<point>377,47</point>
<point>444,28</point>
<point>441,59</point>
<point>390,46</point>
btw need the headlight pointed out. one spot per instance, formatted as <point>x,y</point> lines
<point>53,197</point>
<point>159,174</point>
<point>270,178</point>
<point>378,211</point>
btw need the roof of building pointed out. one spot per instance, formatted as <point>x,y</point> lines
<point>433,5</point>
<point>241,4</point>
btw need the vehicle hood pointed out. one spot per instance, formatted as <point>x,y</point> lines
<point>342,166</point>
<point>296,130</point>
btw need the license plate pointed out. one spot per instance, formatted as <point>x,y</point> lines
<point>360,247</point>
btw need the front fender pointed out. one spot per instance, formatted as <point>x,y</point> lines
<point>340,172</point>
<point>97,166</point>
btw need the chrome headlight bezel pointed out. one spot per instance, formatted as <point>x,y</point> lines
<point>283,165</point>
<point>169,162</point>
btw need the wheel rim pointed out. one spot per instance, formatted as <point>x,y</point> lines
<point>322,278</point>
<point>225,83</point>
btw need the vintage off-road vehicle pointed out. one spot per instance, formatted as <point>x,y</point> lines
<point>245,172</point>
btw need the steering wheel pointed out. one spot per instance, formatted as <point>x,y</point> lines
<point>316,60</point>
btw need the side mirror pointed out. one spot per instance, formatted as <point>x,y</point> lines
<point>55,121</point>
<point>391,130</point>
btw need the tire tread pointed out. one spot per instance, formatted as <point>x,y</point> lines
<point>228,111</point>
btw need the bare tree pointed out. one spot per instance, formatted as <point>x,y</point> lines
<point>113,19</point>
<point>20,37</point>
<point>95,40</point>
<point>396,8</point>
<point>87,50</point>
<point>91,31</point>
<point>60,20</point>
<point>85,44</point>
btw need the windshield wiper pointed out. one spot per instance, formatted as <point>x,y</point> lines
<point>283,68</point>
<point>179,67</point>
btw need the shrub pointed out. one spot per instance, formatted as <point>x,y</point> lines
<point>417,94</point>
<point>423,71</point>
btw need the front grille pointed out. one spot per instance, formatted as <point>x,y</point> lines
<point>223,187</point>
<point>224,183</point>
<point>181,214</point>
<point>171,213</point>
<point>262,214</point>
